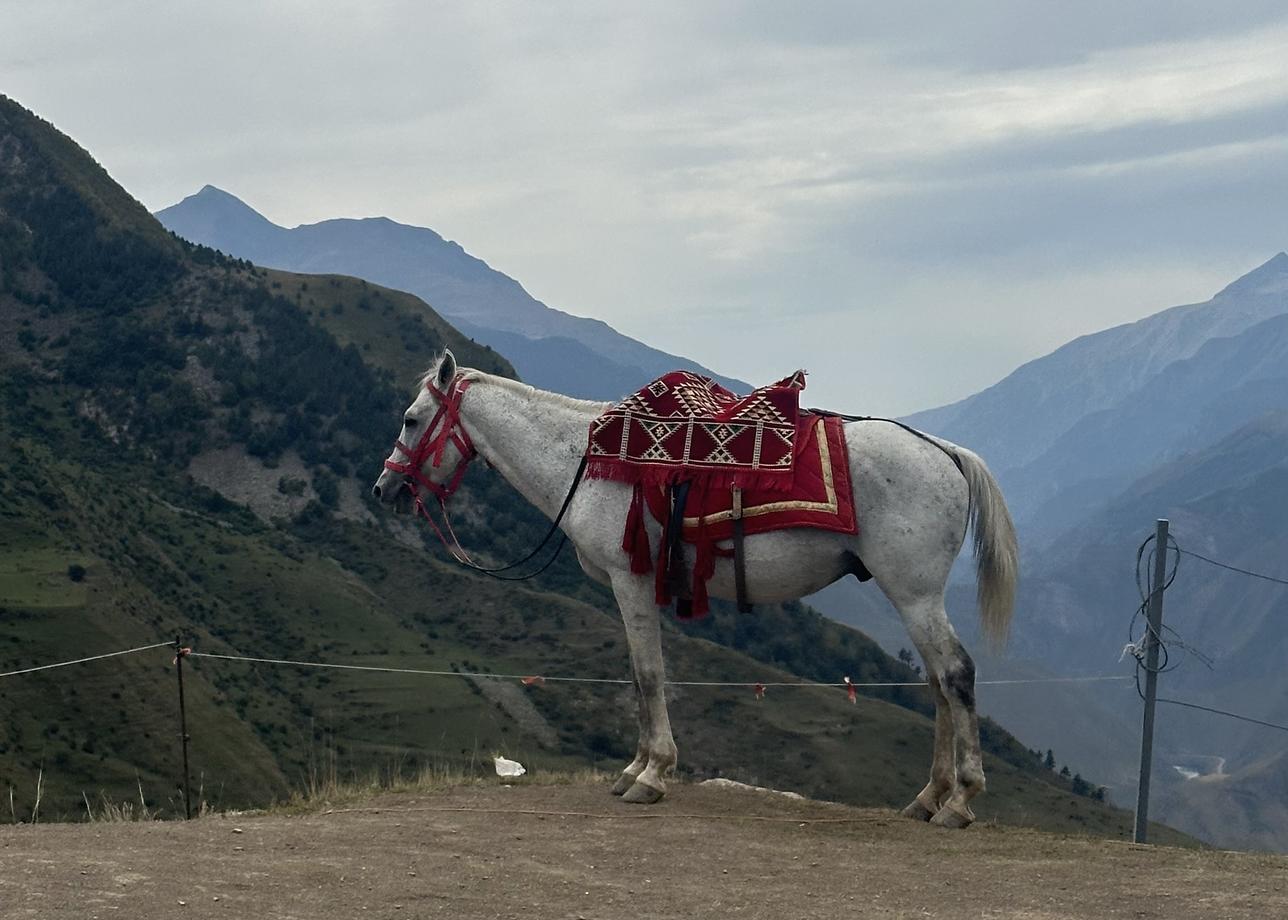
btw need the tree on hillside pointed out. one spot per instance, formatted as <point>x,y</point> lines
<point>906,657</point>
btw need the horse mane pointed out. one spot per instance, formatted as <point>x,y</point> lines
<point>518,387</point>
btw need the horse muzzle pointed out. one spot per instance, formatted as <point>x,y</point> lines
<point>392,490</point>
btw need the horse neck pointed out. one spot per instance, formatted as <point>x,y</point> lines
<point>534,439</point>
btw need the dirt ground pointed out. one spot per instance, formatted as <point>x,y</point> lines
<point>576,852</point>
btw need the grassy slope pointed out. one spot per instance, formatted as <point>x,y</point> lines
<point>395,331</point>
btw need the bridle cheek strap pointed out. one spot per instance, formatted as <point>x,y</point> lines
<point>443,429</point>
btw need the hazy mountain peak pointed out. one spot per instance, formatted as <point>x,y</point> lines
<point>550,348</point>
<point>216,218</point>
<point>1268,278</point>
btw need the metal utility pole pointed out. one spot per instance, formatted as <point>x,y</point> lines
<point>179,653</point>
<point>1154,616</point>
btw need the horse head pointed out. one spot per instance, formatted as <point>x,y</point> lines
<point>432,449</point>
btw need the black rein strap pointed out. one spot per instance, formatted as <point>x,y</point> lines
<point>554,526</point>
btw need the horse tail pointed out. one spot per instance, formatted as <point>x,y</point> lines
<point>997,564</point>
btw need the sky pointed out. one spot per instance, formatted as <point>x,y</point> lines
<point>909,200</point>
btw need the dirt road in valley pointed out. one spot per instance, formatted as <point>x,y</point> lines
<point>575,852</point>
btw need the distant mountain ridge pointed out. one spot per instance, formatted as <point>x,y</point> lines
<point>549,348</point>
<point>1049,394</point>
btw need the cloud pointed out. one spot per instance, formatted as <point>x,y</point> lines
<point>910,177</point>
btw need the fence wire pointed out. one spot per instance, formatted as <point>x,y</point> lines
<point>64,664</point>
<point>535,677</point>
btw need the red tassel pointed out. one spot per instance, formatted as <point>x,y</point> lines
<point>536,681</point>
<point>760,691</point>
<point>635,537</point>
<point>851,691</point>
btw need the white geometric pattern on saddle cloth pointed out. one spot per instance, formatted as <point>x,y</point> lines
<point>683,423</point>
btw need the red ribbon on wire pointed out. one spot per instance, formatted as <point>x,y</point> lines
<point>535,681</point>
<point>851,691</point>
<point>183,653</point>
<point>760,691</point>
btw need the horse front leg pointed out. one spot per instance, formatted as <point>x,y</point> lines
<point>644,636</point>
<point>636,766</point>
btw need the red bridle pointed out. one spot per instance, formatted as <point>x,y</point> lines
<point>445,427</point>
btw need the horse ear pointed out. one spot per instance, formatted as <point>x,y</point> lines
<point>446,368</point>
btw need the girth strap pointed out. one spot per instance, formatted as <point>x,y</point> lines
<point>677,583</point>
<point>739,554</point>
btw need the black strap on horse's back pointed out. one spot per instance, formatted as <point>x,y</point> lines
<point>739,554</point>
<point>828,413</point>
<point>957,461</point>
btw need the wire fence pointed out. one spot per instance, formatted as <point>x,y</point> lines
<point>182,653</point>
<point>1151,584</point>
<point>538,678</point>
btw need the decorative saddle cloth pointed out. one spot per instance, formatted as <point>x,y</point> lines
<point>756,462</point>
<point>683,424</point>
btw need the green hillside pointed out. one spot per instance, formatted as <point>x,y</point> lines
<point>144,381</point>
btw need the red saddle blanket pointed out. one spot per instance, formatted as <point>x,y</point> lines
<point>792,467</point>
<point>684,424</point>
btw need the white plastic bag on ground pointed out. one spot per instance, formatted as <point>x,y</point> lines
<point>508,768</point>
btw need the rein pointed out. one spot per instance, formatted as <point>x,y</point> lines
<point>445,428</point>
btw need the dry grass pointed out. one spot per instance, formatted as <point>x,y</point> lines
<point>326,788</point>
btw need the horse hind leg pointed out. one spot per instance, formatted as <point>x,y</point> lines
<point>958,683</point>
<point>943,765</point>
<point>957,772</point>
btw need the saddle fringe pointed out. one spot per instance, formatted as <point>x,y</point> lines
<point>614,470</point>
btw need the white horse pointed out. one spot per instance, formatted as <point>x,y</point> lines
<point>914,497</point>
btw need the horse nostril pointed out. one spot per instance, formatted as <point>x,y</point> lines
<point>375,490</point>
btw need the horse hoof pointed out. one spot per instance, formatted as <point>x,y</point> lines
<point>948,816</point>
<point>642,794</point>
<point>624,782</point>
<point>917,811</point>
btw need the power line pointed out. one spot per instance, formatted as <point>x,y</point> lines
<point>1222,712</point>
<point>1233,568</point>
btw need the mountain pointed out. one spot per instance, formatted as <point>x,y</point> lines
<point>188,442</point>
<point>549,348</point>
<point>1060,423</point>
<point>1240,809</point>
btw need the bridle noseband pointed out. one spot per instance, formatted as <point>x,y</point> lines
<point>444,428</point>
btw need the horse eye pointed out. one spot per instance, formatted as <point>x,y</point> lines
<point>409,422</point>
